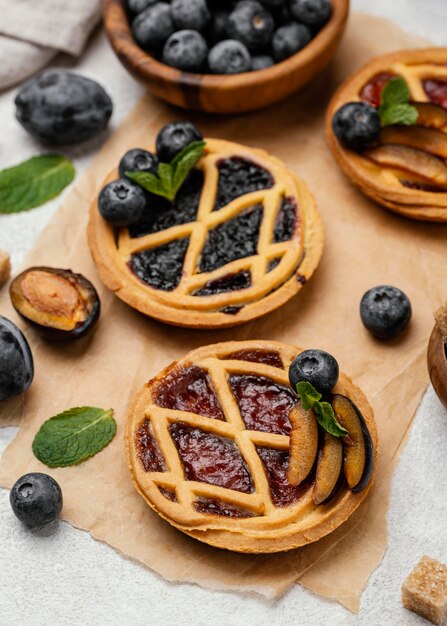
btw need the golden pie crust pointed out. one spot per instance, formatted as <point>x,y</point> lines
<point>380,182</point>
<point>300,255</point>
<point>271,528</point>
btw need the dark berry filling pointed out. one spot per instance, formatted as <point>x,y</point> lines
<point>268,357</point>
<point>232,240</point>
<point>264,404</point>
<point>209,506</point>
<point>148,450</point>
<point>211,459</point>
<point>169,494</point>
<point>189,389</point>
<point>276,463</point>
<point>372,91</point>
<point>161,267</point>
<point>231,310</point>
<point>285,221</point>
<point>230,282</point>
<point>436,91</point>
<point>237,177</point>
<point>273,263</point>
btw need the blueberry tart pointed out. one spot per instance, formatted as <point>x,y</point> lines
<point>208,443</point>
<point>387,127</point>
<point>241,237</point>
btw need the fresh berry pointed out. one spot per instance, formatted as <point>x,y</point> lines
<point>356,125</point>
<point>190,14</point>
<point>122,202</point>
<point>16,360</point>
<point>137,6</point>
<point>229,57</point>
<point>261,62</point>
<point>312,12</point>
<point>251,24</point>
<point>317,367</point>
<point>217,29</point>
<point>289,39</point>
<point>36,499</point>
<point>174,137</point>
<point>186,50</point>
<point>153,26</point>
<point>138,160</point>
<point>385,311</point>
<point>273,3</point>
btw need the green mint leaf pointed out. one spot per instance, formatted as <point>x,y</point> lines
<point>327,420</point>
<point>34,182</point>
<point>151,183</point>
<point>395,91</point>
<point>183,163</point>
<point>73,436</point>
<point>308,394</point>
<point>399,114</point>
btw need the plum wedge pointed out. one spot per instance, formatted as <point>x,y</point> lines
<point>354,444</point>
<point>428,139</point>
<point>412,160</point>
<point>330,460</point>
<point>431,115</point>
<point>303,444</point>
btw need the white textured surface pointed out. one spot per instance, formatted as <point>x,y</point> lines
<point>60,576</point>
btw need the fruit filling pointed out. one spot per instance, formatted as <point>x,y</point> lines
<point>232,240</point>
<point>268,357</point>
<point>209,506</point>
<point>372,91</point>
<point>189,389</point>
<point>276,463</point>
<point>211,459</point>
<point>148,450</point>
<point>237,177</point>
<point>285,221</point>
<point>436,91</point>
<point>161,267</point>
<point>229,282</point>
<point>264,404</point>
<point>169,494</point>
<point>273,263</point>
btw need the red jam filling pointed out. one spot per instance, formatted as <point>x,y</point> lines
<point>268,357</point>
<point>169,494</point>
<point>147,449</point>
<point>372,91</point>
<point>211,459</point>
<point>264,404</point>
<point>276,463</point>
<point>189,389</point>
<point>208,506</point>
<point>436,91</point>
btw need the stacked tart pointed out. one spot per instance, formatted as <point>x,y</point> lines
<point>401,165</point>
<point>241,236</point>
<point>209,442</point>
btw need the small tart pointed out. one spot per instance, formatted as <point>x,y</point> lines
<point>242,238</point>
<point>407,171</point>
<point>207,443</point>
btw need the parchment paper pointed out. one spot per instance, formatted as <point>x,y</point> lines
<point>365,246</point>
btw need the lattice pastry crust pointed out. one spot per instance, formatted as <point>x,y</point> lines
<point>382,181</point>
<point>299,256</point>
<point>270,527</point>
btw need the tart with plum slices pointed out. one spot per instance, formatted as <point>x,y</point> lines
<point>204,233</point>
<point>387,127</point>
<point>252,446</point>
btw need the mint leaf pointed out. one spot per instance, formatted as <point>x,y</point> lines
<point>395,91</point>
<point>399,114</point>
<point>327,420</point>
<point>394,104</point>
<point>73,436</point>
<point>183,163</point>
<point>34,182</point>
<point>150,182</point>
<point>308,394</point>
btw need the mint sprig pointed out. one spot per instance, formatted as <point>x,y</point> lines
<point>324,412</point>
<point>394,104</point>
<point>170,176</point>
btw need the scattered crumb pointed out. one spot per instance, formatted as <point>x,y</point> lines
<point>5,267</point>
<point>441,321</point>
<point>425,590</point>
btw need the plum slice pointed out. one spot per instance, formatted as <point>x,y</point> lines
<point>330,460</point>
<point>431,115</point>
<point>58,303</point>
<point>303,444</point>
<point>411,160</point>
<point>428,139</point>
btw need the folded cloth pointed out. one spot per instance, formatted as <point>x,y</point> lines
<point>31,33</point>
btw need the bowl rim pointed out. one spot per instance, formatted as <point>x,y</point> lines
<point>148,66</point>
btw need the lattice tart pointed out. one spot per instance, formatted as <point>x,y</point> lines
<point>208,441</point>
<point>399,160</point>
<point>241,237</point>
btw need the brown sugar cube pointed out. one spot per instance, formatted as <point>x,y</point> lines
<point>5,267</point>
<point>425,590</point>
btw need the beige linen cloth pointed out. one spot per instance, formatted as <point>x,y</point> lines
<point>32,32</point>
<point>365,246</point>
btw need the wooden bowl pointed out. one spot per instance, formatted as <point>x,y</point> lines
<point>437,364</point>
<point>217,93</point>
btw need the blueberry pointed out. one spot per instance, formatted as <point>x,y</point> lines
<point>317,367</point>
<point>137,6</point>
<point>217,29</point>
<point>190,14</point>
<point>273,3</point>
<point>138,160</point>
<point>251,24</point>
<point>153,26</point>
<point>261,62</point>
<point>62,107</point>
<point>312,12</point>
<point>36,499</point>
<point>229,57</point>
<point>385,311</point>
<point>122,202</point>
<point>16,360</point>
<point>173,137</point>
<point>356,125</point>
<point>289,39</point>
<point>186,50</point>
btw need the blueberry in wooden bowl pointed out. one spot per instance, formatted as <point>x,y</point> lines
<point>291,57</point>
